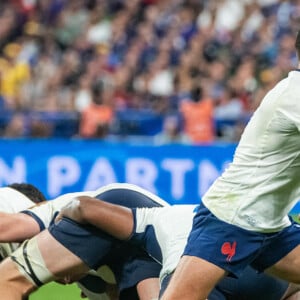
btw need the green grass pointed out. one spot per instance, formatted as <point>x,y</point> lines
<point>54,291</point>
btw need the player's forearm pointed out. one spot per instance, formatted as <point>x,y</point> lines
<point>113,219</point>
<point>116,220</point>
<point>16,227</point>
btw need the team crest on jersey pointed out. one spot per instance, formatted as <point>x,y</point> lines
<point>229,250</point>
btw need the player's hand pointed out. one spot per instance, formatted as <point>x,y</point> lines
<point>72,211</point>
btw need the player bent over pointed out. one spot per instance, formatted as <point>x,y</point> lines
<point>134,271</point>
<point>170,231</point>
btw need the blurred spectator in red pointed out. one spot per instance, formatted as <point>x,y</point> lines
<point>197,114</point>
<point>98,116</point>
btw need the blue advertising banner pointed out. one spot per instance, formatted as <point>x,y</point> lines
<point>178,173</point>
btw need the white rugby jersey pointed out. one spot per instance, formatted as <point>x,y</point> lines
<point>45,212</point>
<point>164,232</point>
<point>261,185</point>
<point>12,201</point>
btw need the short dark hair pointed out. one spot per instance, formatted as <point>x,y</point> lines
<point>297,43</point>
<point>29,190</point>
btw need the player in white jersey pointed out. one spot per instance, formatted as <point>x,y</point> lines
<point>244,219</point>
<point>23,197</point>
<point>101,250</point>
<point>163,232</point>
<point>169,225</point>
<point>14,198</point>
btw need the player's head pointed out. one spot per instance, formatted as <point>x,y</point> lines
<point>29,190</point>
<point>297,44</point>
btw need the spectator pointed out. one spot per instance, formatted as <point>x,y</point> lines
<point>149,55</point>
<point>98,116</point>
<point>198,117</point>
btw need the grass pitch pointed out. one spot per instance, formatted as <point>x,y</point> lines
<point>54,291</point>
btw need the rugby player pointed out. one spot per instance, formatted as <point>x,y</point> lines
<point>162,231</point>
<point>136,272</point>
<point>14,198</point>
<point>243,218</point>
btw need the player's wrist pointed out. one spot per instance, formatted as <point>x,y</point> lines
<point>85,208</point>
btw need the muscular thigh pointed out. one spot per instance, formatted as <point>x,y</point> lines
<point>288,268</point>
<point>50,250</point>
<point>43,259</point>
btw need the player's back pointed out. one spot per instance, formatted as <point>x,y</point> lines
<point>260,187</point>
<point>12,201</point>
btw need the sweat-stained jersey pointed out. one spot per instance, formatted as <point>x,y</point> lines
<point>261,185</point>
<point>12,201</point>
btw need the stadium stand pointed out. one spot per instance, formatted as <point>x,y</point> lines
<point>142,60</point>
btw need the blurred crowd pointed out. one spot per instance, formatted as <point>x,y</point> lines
<point>184,71</point>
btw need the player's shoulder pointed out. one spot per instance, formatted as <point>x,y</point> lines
<point>12,200</point>
<point>289,84</point>
<point>131,187</point>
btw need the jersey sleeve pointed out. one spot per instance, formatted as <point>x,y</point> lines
<point>144,232</point>
<point>47,211</point>
<point>44,213</point>
<point>143,219</point>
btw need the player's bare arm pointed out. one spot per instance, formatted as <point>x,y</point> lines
<point>16,227</point>
<point>103,215</point>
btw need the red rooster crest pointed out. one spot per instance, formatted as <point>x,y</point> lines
<point>229,250</point>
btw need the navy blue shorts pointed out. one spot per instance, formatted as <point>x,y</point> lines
<point>95,248</point>
<point>233,248</point>
<point>250,285</point>
<point>128,272</point>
